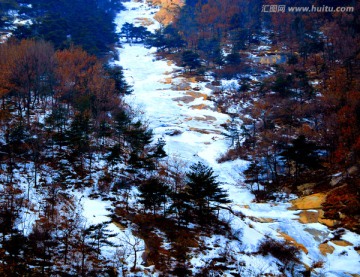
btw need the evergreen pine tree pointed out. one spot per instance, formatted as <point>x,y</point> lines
<point>302,153</point>
<point>153,194</point>
<point>204,190</point>
<point>191,60</point>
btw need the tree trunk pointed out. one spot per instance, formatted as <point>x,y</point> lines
<point>135,259</point>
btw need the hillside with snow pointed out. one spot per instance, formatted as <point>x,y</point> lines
<point>189,152</point>
<point>173,103</point>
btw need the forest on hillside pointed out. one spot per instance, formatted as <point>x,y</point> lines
<point>67,132</point>
<point>88,24</point>
<point>62,115</point>
<point>297,125</point>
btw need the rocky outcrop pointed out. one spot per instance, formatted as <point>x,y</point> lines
<point>309,202</point>
<point>312,210</point>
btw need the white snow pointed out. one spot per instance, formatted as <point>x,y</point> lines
<point>201,139</point>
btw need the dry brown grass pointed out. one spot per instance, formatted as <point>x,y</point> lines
<point>200,107</point>
<point>293,242</point>
<point>342,205</point>
<point>167,81</point>
<point>197,94</point>
<point>168,10</point>
<point>144,21</point>
<point>185,99</point>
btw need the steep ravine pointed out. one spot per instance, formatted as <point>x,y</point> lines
<point>178,110</point>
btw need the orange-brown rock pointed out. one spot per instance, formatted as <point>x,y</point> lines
<point>342,243</point>
<point>326,249</point>
<point>309,202</point>
<point>294,242</point>
<point>309,217</point>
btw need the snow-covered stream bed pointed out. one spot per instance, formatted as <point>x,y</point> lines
<point>172,104</point>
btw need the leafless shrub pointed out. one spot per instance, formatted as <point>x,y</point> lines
<point>283,252</point>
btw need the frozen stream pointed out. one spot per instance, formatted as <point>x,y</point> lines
<point>173,104</point>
